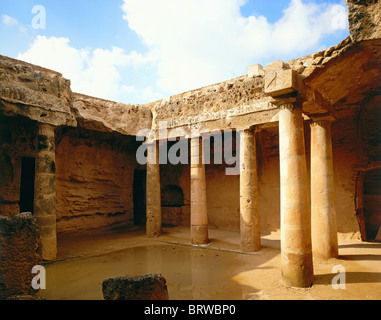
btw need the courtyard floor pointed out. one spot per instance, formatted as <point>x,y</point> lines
<point>217,272</point>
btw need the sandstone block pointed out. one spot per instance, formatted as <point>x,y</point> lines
<point>19,243</point>
<point>364,19</point>
<point>280,82</point>
<point>275,66</point>
<point>254,70</point>
<point>145,287</point>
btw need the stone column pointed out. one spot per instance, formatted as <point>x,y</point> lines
<point>45,191</point>
<point>323,213</point>
<point>199,217</point>
<point>250,230</point>
<point>296,251</point>
<point>153,195</point>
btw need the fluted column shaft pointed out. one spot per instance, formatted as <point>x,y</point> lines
<point>249,214</point>
<point>323,212</point>
<point>153,194</point>
<point>199,217</point>
<point>296,251</point>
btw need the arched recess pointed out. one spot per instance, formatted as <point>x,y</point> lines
<point>369,204</point>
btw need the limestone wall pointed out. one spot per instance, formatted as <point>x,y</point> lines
<point>94,180</point>
<point>17,139</point>
<point>36,93</point>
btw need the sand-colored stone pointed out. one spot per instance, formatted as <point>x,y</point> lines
<point>364,19</point>
<point>199,215</point>
<point>145,287</point>
<point>108,116</point>
<point>19,253</point>
<point>323,210</point>
<point>94,179</point>
<point>249,225</point>
<point>45,191</point>
<point>34,92</point>
<point>220,272</point>
<point>95,168</point>
<point>153,196</point>
<point>281,82</point>
<point>297,265</point>
<point>255,70</point>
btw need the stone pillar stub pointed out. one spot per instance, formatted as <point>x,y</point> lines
<point>296,250</point>
<point>323,212</point>
<point>45,191</point>
<point>153,193</point>
<point>249,214</point>
<point>199,216</point>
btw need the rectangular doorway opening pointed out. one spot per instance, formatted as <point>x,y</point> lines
<point>139,197</point>
<point>27,184</point>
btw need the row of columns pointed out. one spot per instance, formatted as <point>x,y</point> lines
<point>299,210</point>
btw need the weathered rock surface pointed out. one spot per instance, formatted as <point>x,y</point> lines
<point>108,116</point>
<point>146,287</point>
<point>364,18</point>
<point>215,106</point>
<point>94,179</point>
<point>25,298</point>
<point>36,93</point>
<point>19,253</point>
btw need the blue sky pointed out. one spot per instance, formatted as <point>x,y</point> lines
<point>137,51</point>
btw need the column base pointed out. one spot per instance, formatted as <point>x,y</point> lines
<point>49,247</point>
<point>153,231</point>
<point>298,275</point>
<point>250,247</point>
<point>199,235</point>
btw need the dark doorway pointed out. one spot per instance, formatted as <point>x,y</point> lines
<point>27,184</point>
<point>139,194</point>
<point>372,203</point>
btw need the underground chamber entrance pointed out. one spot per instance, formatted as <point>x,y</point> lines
<point>372,204</point>
<point>27,184</point>
<point>139,197</point>
<point>369,204</point>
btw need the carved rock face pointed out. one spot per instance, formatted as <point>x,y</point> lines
<point>19,243</point>
<point>146,287</point>
<point>364,19</point>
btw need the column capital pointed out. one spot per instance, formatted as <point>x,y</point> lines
<point>290,106</point>
<point>46,129</point>
<point>252,129</point>
<point>320,122</point>
<point>322,117</point>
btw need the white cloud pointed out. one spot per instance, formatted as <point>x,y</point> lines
<point>191,43</point>
<point>93,72</point>
<point>199,42</point>
<point>9,21</point>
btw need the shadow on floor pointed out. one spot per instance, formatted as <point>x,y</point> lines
<point>364,245</point>
<point>351,277</point>
<point>361,257</point>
